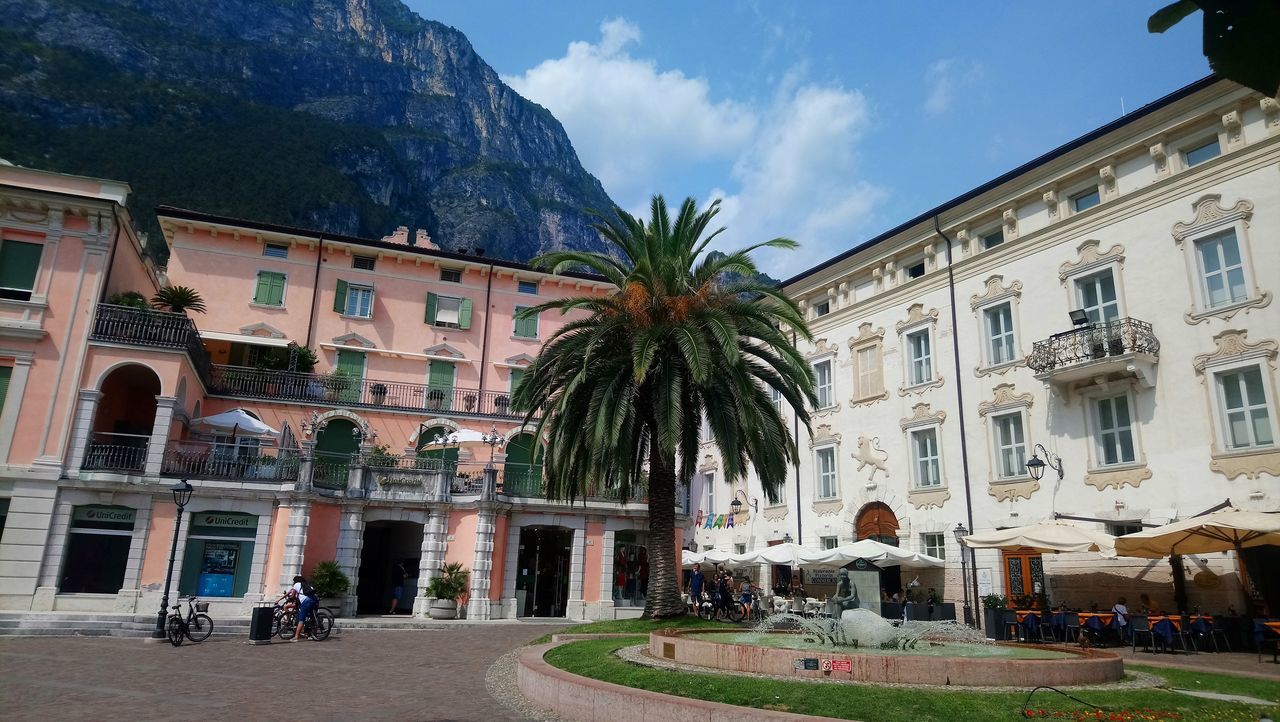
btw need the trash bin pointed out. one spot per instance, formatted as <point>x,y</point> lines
<point>260,623</point>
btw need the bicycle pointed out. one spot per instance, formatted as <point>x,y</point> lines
<point>318,625</point>
<point>731,612</point>
<point>197,626</point>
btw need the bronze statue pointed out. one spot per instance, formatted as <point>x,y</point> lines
<point>846,596</point>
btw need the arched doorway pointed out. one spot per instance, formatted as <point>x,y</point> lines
<point>336,445</point>
<point>448,455</point>
<point>522,472</point>
<point>124,420</point>
<point>877,521</point>
<point>389,561</point>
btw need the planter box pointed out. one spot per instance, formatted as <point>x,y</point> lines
<point>992,625</point>
<point>443,609</point>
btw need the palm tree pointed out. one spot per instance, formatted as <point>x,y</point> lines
<point>178,299</point>
<point>625,389</point>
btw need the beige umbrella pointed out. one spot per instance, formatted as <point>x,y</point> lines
<point>1221,531</point>
<point>1048,536</point>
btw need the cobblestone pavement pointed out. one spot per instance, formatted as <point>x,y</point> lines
<point>358,675</point>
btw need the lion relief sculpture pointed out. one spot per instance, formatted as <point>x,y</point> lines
<point>868,453</point>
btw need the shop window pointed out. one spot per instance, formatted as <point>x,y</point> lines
<point>630,568</point>
<point>97,549</point>
<point>219,554</point>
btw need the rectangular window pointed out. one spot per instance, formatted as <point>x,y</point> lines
<point>870,378</point>
<point>1123,528</point>
<point>364,263</point>
<point>270,289</point>
<point>776,396</point>
<point>828,488</point>
<point>275,250</point>
<point>1096,295</point>
<point>1085,199</point>
<point>1000,346</point>
<point>915,270</point>
<point>739,548</point>
<point>826,394</point>
<point>924,452</point>
<point>992,239</point>
<point>6,372</point>
<point>710,476</point>
<point>448,311</point>
<point>450,275</point>
<point>1114,438</point>
<point>821,309</point>
<point>934,545</point>
<point>1221,270</point>
<point>921,358</point>
<point>1247,421</point>
<point>1011,447</point>
<point>530,287</point>
<point>525,327</point>
<point>830,542</point>
<point>353,300</point>
<point>18,264</point>
<point>1201,153</point>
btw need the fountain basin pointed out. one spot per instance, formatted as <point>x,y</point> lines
<point>938,665</point>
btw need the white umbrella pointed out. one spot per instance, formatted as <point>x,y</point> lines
<point>1221,531</point>
<point>460,438</point>
<point>787,553</point>
<point>716,556</point>
<point>688,558</point>
<point>236,422</point>
<point>1054,535</point>
<point>877,552</point>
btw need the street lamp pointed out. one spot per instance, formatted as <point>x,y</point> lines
<point>1035,465</point>
<point>181,496</point>
<point>494,441</point>
<point>363,433</point>
<point>961,532</point>
<point>786,538</point>
<point>735,506</point>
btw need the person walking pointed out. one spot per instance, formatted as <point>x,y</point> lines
<point>398,575</point>
<point>696,582</point>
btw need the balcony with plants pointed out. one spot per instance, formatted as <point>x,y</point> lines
<point>1122,347</point>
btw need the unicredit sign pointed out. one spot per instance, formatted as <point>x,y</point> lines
<point>104,514</point>
<point>231,520</point>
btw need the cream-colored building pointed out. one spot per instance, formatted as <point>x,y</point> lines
<point>946,351</point>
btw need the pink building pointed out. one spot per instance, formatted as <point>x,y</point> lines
<point>378,362</point>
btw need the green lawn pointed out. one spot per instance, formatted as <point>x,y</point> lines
<point>638,626</point>
<point>596,659</point>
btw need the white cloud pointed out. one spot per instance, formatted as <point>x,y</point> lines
<point>944,78</point>
<point>788,165</point>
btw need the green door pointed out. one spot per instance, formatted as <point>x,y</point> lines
<point>436,454</point>
<point>351,366</point>
<point>335,446</point>
<point>440,385</point>
<point>523,473</point>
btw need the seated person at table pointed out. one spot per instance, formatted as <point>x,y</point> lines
<point>1148,605</point>
<point>797,589</point>
<point>1122,616</point>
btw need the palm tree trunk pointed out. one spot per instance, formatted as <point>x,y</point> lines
<point>664,598</point>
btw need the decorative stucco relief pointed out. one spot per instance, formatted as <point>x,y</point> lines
<point>828,507</point>
<point>1007,491</point>
<point>264,330</point>
<point>1089,255</point>
<point>995,290</point>
<point>775,513</point>
<point>354,339</point>
<point>823,435</point>
<point>825,411</point>
<point>709,463</point>
<point>1050,198</point>
<point>1103,480</point>
<point>1004,398</point>
<point>926,498</point>
<point>1271,112</point>
<point>870,454</point>
<point>822,348</point>
<point>1001,370</point>
<point>866,336</point>
<point>920,388</point>
<point>1210,213</point>
<point>1232,344</point>
<point>1249,465</point>
<point>922,415</point>
<point>916,314</point>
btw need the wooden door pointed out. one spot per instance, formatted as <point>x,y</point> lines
<point>1023,575</point>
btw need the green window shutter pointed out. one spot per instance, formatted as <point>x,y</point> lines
<point>351,363</point>
<point>270,291</point>
<point>517,375</point>
<point>18,264</point>
<point>440,375</point>
<point>432,302</point>
<point>340,297</point>
<point>5,373</point>
<point>526,327</point>
<point>464,314</point>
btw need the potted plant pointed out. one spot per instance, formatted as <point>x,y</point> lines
<point>380,455</point>
<point>993,606</point>
<point>329,581</point>
<point>445,588</point>
<point>335,383</point>
<point>129,299</point>
<point>435,398</point>
<point>469,401</point>
<point>503,403</point>
<point>378,393</point>
<point>178,299</point>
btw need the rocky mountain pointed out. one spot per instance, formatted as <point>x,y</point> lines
<point>352,116</point>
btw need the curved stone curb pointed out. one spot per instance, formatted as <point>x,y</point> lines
<point>590,700</point>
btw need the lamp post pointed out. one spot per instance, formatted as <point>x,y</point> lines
<point>735,506</point>
<point>181,496</point>
<point>493,440</point>
<point>1036,466</point>
<point>961,532</point>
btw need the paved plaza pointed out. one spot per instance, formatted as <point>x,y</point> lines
<point>408,675</point>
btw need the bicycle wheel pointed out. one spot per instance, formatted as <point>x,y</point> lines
<point>175,632</point>
<point>275,624</point>
<point>706,611</point>
<point>288,624</point>
<point>199,628</point>
<point>322,624</point>
<point>734,612</point>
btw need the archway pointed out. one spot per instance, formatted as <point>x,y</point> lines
<point>124,420</point>
<point>336,445</point>
<point>448,455</point>
<point>389,561</point>
<point>522,472</point>
<point>878,522</point>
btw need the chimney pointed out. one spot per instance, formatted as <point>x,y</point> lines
<point>401,236</point>
<point>423,239</point>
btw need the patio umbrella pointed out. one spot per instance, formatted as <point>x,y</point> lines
<point>716,556</point>
<point>873,551</point>
<point>236,422</point>
<point>1054,535</point>
<point>1221,531</point>
<point>688,558</point>
<point>788,554</point>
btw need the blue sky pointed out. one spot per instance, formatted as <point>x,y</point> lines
<point>825,122</point>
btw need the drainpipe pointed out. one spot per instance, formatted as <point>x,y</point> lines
<point>315,293</point>
<point>484,345</point>
<point>795,421</point>
<point>964,446</point>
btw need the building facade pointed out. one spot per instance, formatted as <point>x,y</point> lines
<point>1111,302</point>
<point>366,355</point>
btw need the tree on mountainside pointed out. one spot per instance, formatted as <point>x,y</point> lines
<point>624,390</point>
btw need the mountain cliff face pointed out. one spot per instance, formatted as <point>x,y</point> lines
<point>352,116</point>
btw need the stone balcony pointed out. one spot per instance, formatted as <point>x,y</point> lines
<point>1097,353</point>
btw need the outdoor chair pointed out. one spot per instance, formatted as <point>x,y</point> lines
<point>1042,631</point>
<point>1071,627</point>
<point>1186,637</point>
<point>780,605</point>
<point>1219,631</point>
<point>1140,625</point>
<point>1009,622</point>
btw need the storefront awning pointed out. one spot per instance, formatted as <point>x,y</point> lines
<point>242,338</point>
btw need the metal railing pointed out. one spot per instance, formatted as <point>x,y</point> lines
<point>205,460</point>
<point>1093,342</point>
<point>345,390</point>
<point>330,471</point>
<point>116,452</point>
<point>153,329</point>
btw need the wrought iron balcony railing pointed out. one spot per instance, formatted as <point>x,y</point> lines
<point>150,328</point>
<point>205,460</point>
<point>1093,342</point>
<point>125,453</point>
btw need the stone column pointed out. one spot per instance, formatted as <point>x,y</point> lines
<point>574,605</point>
<point>295,541</point>
<point>355,475</point>
<point>81,429</point>
<point>306,465</point>
<point>350,542</point>
<point>479,605</point>
<point>13,404</point>
<point>510,598</point>
<point>159,434</point>
<point>433,546</point>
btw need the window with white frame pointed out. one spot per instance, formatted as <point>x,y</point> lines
<point>1001,347</point>
<point>1085,199</point>
<point>828,484</point>
<point>992,239</point>
<point>1096,296</point>
<point>825,384</point>
<point>1113,431</point>
<point>275,250</point>
<point>925,465</point>
<point>1197,153</point>
<point>934,544</point>
<point>821,308</point>
<point>1245,412</point>
<point>1222,278</point>
<point>530,287</point>
<point>359,301</point>
<point>739,548</point>
<point>830,542</point>
<point>914,270</point>
<point>868,372</point>
<point>776,396</point>
<point>710,481</point>
<point>450,275</point>
<point>1010,445</point>
<point>919,357</point>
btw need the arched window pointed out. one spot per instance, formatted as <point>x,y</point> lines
<point>428,450</point>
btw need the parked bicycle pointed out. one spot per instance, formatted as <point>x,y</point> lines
<point>196,626</point>
<point>728,610</point>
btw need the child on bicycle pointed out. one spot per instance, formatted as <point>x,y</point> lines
<point>307,601</point>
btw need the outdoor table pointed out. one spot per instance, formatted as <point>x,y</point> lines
<point>1202,624</point>
<point>1165,626</point>
<point>1029,620</point>
<point>1097,621</point>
